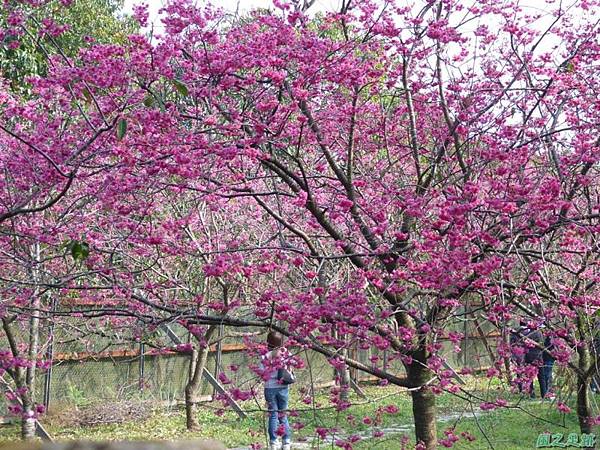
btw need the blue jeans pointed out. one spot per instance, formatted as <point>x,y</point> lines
<point>277,402</point>
<point>545,377</point>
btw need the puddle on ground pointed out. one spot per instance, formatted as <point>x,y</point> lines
<point>367,434</point>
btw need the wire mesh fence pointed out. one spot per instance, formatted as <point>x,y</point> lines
<point>162,378</point>
<point>87,373</point>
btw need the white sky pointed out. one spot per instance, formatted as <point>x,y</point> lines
<point>529,7</point>
<point>320,5</point>
<point>244,5</point>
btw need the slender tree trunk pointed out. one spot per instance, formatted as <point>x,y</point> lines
<point>197,364</point>
<point>423,399</point>
<point>424,414</point>
<point>28,429</point>
<point>28,420</point>
<point>344,375</point>
<point>28,397</point>
<point>508,370</point>
<point>190,400</point>
<point>24,393</point>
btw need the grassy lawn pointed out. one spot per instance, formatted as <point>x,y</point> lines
<point>504,428</point>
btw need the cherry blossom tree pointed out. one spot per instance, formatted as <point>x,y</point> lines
<point>52,144</point>
<point>385,150</point>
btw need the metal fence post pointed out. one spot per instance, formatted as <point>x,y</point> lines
<point>466,334</point>
<point>142,366</point>
<point>49,357</point>
<point>218,356</point>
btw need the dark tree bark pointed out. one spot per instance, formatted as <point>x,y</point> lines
<point>423,404</point>
<point>584,365</point>
<point>584,409</point>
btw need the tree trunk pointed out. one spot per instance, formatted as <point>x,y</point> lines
<point>423,405</point>
<point>507,366</point>
<point>28,420</point>
<point>26,400</point>
<point>197,364</point>
<point>344,376</point>
<point>28,423</point>
<point>28,397</point>
<point>28,429</point>
<point>584,409</point>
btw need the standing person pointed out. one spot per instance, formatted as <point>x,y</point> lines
<point>517,350</point>
<point>546,369</point>
<point>533,341</point>
<point>516,341</point>
<point>276,390</point>
<point>526,350</point>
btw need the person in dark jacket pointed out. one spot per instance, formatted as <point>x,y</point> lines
<point>517,353</point>
<point>533,342</point>
<point>545,371</point>
<point>526,351</point>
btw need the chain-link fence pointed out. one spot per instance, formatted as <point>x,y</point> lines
<point>91,371</point>
<point>162,378</point>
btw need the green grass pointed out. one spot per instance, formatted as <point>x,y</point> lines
<point>505,428</point>
<point>515,429</point>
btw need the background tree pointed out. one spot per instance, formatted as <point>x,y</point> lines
<point>43,146</point>
<point>31,35</point>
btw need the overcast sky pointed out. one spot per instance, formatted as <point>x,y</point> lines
<point>320,5</point>
<point>244,5</point>
<point>529,7</point>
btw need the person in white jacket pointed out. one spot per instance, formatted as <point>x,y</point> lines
<point>276,391</point>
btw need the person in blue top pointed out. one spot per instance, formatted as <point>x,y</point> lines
<point>545,370</point>
<point>533,356</point>
<point>276,392</point>
<point>526,346</point>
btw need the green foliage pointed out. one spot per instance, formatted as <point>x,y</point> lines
<point>121,129</point>
<point>76,397</point>
<point>95,19</point>
<point>181,88</point>
<point>149,101</point>
<point>79,250</point>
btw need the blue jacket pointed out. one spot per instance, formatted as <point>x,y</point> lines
<point>548,347</point>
